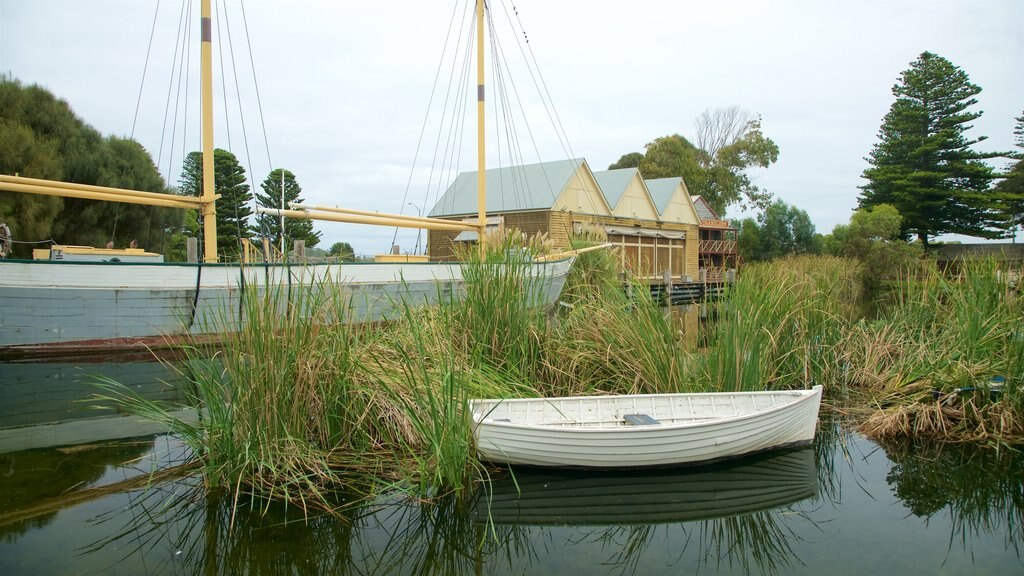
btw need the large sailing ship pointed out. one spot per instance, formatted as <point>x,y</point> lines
<point>55,307</point>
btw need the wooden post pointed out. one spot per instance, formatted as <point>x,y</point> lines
<point>300,249</point>
<point>192,249</point>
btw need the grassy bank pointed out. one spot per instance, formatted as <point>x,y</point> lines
<point>304,406</point>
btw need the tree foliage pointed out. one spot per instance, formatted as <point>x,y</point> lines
<point>729,142</point>
<point>923,164</point>
<point>874,236</point>
<point>270,196</point>
<point>780,230</point>
<point>1012,188</point>
<point>343,250</point>
<point>40,137</point>
<point>631,160</point>
<point>672,156</point>
<point>233,206</point>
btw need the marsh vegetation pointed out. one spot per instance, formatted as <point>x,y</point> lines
<point>303,407</point>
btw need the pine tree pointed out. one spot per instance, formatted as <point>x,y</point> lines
<point>233,209</point>
<point>1012,188</point>
<point>924,165</point>
<point>270,197</point>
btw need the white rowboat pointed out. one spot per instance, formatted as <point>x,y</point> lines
<point>642,430</point>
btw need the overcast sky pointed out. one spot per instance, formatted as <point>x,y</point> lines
<point>344,86</point>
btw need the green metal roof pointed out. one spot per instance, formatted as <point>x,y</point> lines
<point>509,189</point>
<point>613,183</point>
<point>661,190</point>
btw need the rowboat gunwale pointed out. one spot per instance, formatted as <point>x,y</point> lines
<point>800,396</point>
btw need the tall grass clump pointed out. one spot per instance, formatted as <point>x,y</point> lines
<point>499,319</point>
<point>781,324</point>
<point>618,342</point>
<point>610,336</point>
<point>956,361</point>
<point>299,404</point>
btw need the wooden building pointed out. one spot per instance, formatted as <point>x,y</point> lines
<point>657,235</point>
<point>718,251</point>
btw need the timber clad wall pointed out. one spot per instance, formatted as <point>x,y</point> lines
<point>560,225</point>
<point>646,256</point>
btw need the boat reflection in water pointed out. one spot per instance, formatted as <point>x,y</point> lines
<point>731,517</point>
<point>54,403</point>
<point>758,483</point>
<point>754,516</point>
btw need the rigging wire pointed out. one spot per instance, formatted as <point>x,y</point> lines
<point>182,65</point>
<point>170,88</point>
<point>184,121</point>
<point>256,84</point>
<point>263,124</point>
<point>145,67</point>
<point>453,95</point>
<point>542,87</point>
<point>543,168</point>
<point>241,109</point>
<point>426,116</point>
<point>509,111</point>
<point>516,169</point>
<point>223,80</point>
<point>461,108</point>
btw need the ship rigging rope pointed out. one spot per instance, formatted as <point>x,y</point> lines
<point>508,109</point>
<point>423,127</point>
<point>145,67</point>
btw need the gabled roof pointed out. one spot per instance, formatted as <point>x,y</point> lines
<point>614,183</point>
<point>672,198</point>
<point>510,189</point>
<point>662,190</point>
<point>627,194</point>
<point>704,209</point>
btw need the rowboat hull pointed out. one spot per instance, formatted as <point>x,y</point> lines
<point>593,432</point>
<point>64,307</point>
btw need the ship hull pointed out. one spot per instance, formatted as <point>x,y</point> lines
<point>67,307</point>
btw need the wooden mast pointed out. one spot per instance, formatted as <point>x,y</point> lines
<point>206,81</point>
<point>481,172</point>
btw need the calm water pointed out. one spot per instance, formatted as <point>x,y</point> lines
<point>847,506</point>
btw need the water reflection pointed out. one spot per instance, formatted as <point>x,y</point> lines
<point>981,491</point>
<point>32,482</point>
<point>75,509</point>
<point>731,515</point>
<point>53,403</point>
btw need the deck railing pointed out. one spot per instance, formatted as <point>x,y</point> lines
<point>717,247</point>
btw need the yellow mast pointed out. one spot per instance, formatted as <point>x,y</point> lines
<point>481,172</point>
<point>206,81</point>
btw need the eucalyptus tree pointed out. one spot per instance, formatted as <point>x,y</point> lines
<point>729,141</point>
<point>779,230</point>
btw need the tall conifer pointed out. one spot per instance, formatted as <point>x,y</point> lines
<point>924,164</point>
<point>269,196</point>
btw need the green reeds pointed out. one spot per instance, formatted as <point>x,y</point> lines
<point>300,403</point>
<point>781,323</point>
<point>953,367</point>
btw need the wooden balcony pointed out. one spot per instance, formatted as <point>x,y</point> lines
<point>717,247</point>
